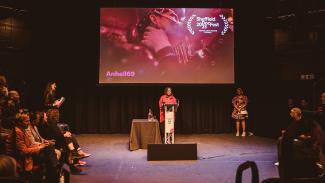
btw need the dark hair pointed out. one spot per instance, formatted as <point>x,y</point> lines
<point>165,90</point>
<point>20,117</point>
<point>240,89</point>
<point>48,88</point>
<point>53,115</point>
<point>7,166</point>
<point>39,119</point>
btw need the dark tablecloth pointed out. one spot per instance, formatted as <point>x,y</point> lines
<point>144,132</point>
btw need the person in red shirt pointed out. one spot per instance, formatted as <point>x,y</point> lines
<point>167,98</point>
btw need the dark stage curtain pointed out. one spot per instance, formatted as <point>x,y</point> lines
<point>110,109</point>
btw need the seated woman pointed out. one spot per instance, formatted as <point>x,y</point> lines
<point>49,130</point>
<point>26,152</point>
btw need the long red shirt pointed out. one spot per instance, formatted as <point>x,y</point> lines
<point>164,99</point>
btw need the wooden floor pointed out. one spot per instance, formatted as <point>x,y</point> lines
<point>218,158</point>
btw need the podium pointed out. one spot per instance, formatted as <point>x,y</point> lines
<point>170,111</point>
<point>169,150</point>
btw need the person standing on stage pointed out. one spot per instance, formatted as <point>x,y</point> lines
<point>240,113</point>
<point>167,98</point>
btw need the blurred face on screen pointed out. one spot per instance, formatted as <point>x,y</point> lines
<point>160,22</point>
<point>163,18</point>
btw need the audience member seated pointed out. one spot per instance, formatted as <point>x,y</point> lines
<point>36,138</point>
<point>320,114</point>
<point>3,96</point>
<point>304,105</point>
<point>47,126</point>
<point>20,147</point>
<point>300,148</point>
<point>50,154</point>
<point>8,170</point>
<point>11,108</point>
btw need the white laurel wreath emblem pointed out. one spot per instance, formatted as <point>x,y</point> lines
<point>189,26</point>
<point>225,28</point>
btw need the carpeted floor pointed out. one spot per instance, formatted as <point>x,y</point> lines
<point>219,156</point>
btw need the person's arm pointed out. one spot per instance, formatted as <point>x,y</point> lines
<point>56,132</point>
<point>167,54</point>
<point>157,40</point>
<point>234,104</point>
<point>48,101</point>
<point>176,103</point>
<point>161,102</point>
<point>245,102</point>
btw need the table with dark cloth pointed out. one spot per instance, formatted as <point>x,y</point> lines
<point>144,132</point>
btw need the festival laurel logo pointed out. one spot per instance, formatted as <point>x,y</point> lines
<point>207,24</point>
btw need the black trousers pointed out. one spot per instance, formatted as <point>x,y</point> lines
<point>47,157</point>
<point>162,131</point>
<point>73,140</point>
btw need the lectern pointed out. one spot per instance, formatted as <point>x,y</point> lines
<point>170,112</point>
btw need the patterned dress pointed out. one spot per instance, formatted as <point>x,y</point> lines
<point>240,103</point>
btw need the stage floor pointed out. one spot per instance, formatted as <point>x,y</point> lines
<point>218,158</point>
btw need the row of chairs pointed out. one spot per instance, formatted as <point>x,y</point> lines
<point>255,175</point>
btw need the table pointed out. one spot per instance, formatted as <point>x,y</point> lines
<point>144,132</point>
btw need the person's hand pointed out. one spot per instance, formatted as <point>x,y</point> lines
<point>67,134</point>
<point>42,146</point>
<point>56,103</point>
<point>304,136</point>
<point>51,141</point>
<point>155,39</point>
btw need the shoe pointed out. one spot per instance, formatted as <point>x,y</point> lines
<point>81,153</point>
<point>237,134</point>
<point>243,134</point>
<point>76,156</point>
<point>76,171</point>
<point>81,163</point>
